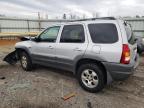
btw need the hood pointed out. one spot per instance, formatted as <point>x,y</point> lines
<point>25,38</point>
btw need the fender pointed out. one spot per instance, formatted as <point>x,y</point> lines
<point>23,48</point>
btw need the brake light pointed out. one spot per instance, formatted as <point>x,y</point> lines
<point>125,58</point>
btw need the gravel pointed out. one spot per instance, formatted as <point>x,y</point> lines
<point>44,88</point>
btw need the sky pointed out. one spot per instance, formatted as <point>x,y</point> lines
<point>56,8</point>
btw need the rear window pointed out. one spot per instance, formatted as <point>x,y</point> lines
<point>129,33</point>
<point>103,33</point>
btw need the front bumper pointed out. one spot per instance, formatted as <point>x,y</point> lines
<point>11,58</point>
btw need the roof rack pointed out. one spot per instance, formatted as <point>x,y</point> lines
<point>100,18</point>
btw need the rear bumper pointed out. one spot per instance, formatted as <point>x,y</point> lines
<point>119,72</point>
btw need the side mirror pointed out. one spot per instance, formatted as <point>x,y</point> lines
<point>37,39</point>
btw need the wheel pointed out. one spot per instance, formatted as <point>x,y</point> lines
<point>25,61</point>
<point>91,77</point>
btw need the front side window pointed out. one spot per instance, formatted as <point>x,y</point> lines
<point>50,34</point>
<point>103,33</point>
<point>72,34</point>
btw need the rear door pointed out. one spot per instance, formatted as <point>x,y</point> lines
<point>72,45</point>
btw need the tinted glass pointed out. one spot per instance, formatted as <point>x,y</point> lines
<point>129,33</point>
<point>103,33</point>
<point>73,34</point>
<point>50,34</point>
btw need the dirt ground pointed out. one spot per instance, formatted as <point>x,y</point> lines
<point>7,42</point>
<point>44,87</point>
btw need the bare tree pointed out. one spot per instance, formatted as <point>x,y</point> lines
<point>137,16</point>
<point>64,16</point>
<point>73,16</point>
<point>46,16</point>
<point>84,16</point>
<point>95,14</point>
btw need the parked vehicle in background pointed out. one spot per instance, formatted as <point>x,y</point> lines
<point>98,51</point>
<point>140,44</point>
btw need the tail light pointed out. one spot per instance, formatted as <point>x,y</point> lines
<point>125,58</point>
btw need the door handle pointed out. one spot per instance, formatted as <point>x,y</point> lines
<point>50,47</point>
<point>77,49</point>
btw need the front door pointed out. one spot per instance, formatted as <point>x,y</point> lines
<point>44,50</point>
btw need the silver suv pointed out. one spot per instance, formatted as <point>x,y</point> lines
<point>97,51</point>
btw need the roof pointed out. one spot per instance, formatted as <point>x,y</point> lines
<point>100,18</point>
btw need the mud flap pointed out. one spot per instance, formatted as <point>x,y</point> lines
<point>11,58</point>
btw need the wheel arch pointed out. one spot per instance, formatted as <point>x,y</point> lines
<point>20,49</point>
<point>87,60</point>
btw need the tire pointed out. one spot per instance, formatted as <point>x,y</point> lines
<point>25,61</point>
<point>91,77</point>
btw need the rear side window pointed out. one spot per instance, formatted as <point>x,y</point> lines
<point>73,34</point>
<point>130,35</point>
<point>103,33</point>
